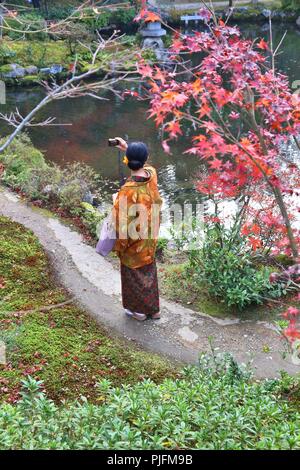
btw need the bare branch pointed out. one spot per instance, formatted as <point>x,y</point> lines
<point>14,119</point>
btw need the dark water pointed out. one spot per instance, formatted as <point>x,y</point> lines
<point>93,122</point>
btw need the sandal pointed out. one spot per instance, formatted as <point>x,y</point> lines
<point>156,316</point>
<point>139,316</point>
<point>135,315</point>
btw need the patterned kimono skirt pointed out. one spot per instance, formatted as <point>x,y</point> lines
<point>140,289</point>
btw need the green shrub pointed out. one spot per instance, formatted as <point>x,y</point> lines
<point>18,28</point>
<point>121,17</point>
<point>61,12</point>
<point>19,159</point>
<point>124,16</point>
<point>213,406</point>
<point>91,218</point>
<point>74,33</point>
<point>291,4</point>
<point>94,21</point>
<point>25,169</point>
<point>77,180</point>
<point>226,267</point>
<point>41,183</point>
<point>6,54</point>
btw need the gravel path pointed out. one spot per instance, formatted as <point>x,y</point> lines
<point>180,334</point>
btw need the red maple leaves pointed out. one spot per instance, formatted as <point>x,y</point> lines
<point>240,113</point>
<point>146,15</point>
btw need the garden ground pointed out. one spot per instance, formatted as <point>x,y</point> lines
<point>69,385</point>
<point>181,333</point>
<point>48,337</point>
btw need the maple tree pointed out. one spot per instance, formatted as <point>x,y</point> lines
<point>292,333</point>
<point>243,114</point>
<point>244,117</point>
<point>145,14</point>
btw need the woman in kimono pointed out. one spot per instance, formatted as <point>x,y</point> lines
<point>137,216</point>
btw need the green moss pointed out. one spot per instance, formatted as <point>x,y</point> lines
<point>19,159</point>
<point>63,346</point>
<point>5,69</point>
<point>39,53</point>
<point>29,80</point>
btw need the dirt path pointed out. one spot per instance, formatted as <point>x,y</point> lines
<point>180,334</point>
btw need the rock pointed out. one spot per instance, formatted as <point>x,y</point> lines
<point>56,68</point>
<point>31,70</point>
<point>266,13</point>
<point>12,71</point>
<point>240,10</point>
<point>298,21</point>
<point>88,198</point>
<point>243,9</point>
<point>45,70</point>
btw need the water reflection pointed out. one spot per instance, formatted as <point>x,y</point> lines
<point>93,122</point>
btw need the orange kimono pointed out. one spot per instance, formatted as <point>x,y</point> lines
<point>137,217</point>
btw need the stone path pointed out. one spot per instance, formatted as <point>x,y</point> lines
<point>180,334</point>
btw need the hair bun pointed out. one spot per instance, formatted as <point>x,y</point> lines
<point>137,154</point>
<point>135,165</point>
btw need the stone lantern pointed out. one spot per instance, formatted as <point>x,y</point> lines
<point>152,34</point>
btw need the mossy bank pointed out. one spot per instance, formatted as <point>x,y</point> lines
<point>53,341</point>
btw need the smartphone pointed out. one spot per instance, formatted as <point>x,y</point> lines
<point>113,142</point>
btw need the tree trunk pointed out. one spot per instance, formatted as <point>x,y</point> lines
<point>36,3</point>
<point>276,191</point>
<point>285,216</point>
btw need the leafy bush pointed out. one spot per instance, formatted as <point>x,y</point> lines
<point>77,181</point>
<point>213,406</point>
<point>19,160</point>
<point>162,244</point>
<point>291,4</point>
<point>6,54</point>
<point>121,17</point>
<point>124,16</point>
<point>25,169</point>
<point>17,28</point>
<point>227,268</point>
<point>74,33</point>
<point>91,218</point>
<point>59,12</point>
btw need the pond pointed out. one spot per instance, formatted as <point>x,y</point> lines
<point>93,122</point>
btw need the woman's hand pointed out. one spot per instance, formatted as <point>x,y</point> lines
<point>123,144</point>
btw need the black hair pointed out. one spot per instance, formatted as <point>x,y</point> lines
<point>137,154</point>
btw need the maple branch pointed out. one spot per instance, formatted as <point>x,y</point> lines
<point>15,118</point>
<point>249,98</point>
<point>297,142</point>
<point>72,88</point>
